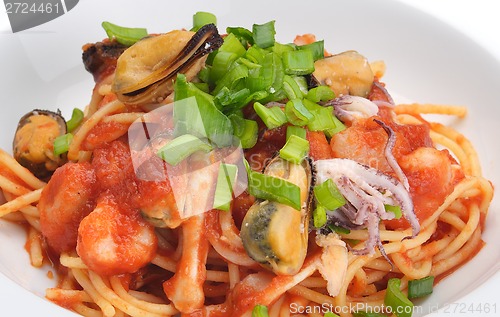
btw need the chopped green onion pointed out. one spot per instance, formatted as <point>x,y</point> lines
<point>256,54</point>
<point>320,93</point>
<point>231,99</point>
<point>181,147</point>
<point>244,35</point>
<point>281,48</point>
<point>292,88</point>
<point>339,126</point>
<point>319,216</point>
<point>296,113</point>
<point>204,74</point>
<point>295,149</point>
<point>328,195</point>
<point>248,63</point>
<point>396,210</point>
<point>317,49</point>
<point>298,62</point>
<point>273,188</point>
<point>224,187</point>
<point>202,18</point>
<point>294,130</point>
<point>260,311</point>
<point>323,119</point>
<point>233,45</point>
<point>124,35</point>
<point>330,314</point>
<point>190,103</point>
<point>263,34</point>
<point>61,143</point>
<point>232,77</point>
<point>202,86</point>
<point>246,130</point>
<point>220,65</point>
<point>272,117</point>
<point>76,119</point>
<point>421,287</point>
<point>338,229</point>
<point>400,304</point>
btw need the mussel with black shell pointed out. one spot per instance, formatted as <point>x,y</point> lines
<point>33,144</point>
<point>145,72</point>
<point>275,234</point>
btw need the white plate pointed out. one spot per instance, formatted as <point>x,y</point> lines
<point>427,61</point>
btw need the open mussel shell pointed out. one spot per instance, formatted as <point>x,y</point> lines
<point>274,234</point>
<point>347,73</point>
<point>145,72</point>
<point>33,144</point>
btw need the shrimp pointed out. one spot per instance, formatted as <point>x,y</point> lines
<point>68,197</point>
<point>114,239</point>
<point>432,175</point>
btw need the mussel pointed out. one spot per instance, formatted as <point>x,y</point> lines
<point>274,234</point>
<point>33,145</point>
<point>145,72</point>
<point>347,73</point>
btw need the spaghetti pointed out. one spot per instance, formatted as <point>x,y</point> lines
<point>199,267</point>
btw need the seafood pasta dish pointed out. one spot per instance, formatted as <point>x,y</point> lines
<point>223,173</point>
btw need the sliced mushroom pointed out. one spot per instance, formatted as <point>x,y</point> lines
<point>347,73</point>
<point>274,234</point>
<point>33,144</point>
<point>145,72</point>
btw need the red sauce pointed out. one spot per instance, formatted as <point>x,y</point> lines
<point>103,133</point>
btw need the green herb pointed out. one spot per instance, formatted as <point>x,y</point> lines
<point>124,35</point>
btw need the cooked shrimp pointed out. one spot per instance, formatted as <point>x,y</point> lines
<point>114,240</point>
<point>432,175</point>
<point>68,197</point>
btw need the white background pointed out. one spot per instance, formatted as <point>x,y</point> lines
<point>478,19</point>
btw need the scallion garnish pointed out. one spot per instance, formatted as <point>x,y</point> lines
<point>328,195</point>
<point>298,62</point>
<point>233,45</point>
<point>62,143</point>
<point>224,187</point>
<point>246,130</point>
<point>272,117</point>
<point>244,35</point>
<point>202,18</point>
<point>292,88</point>
<point>320,93</point>
<point>296,113</point>
<point>323,118</point>
<point>294,130</point>
<point>190,103</point>
<point>421,287</point>
<point>295,149</point>
<point>273,188</point>
<point>181,147</point>
<point>317,49</point>
<point>319,216</point>
<point>400,304</point>
<point>124,35</point>
<point>76,119</point>
<point>396,210</point>
<point>263,34</point>
<point>220,65</point>
<point>260,311</point>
